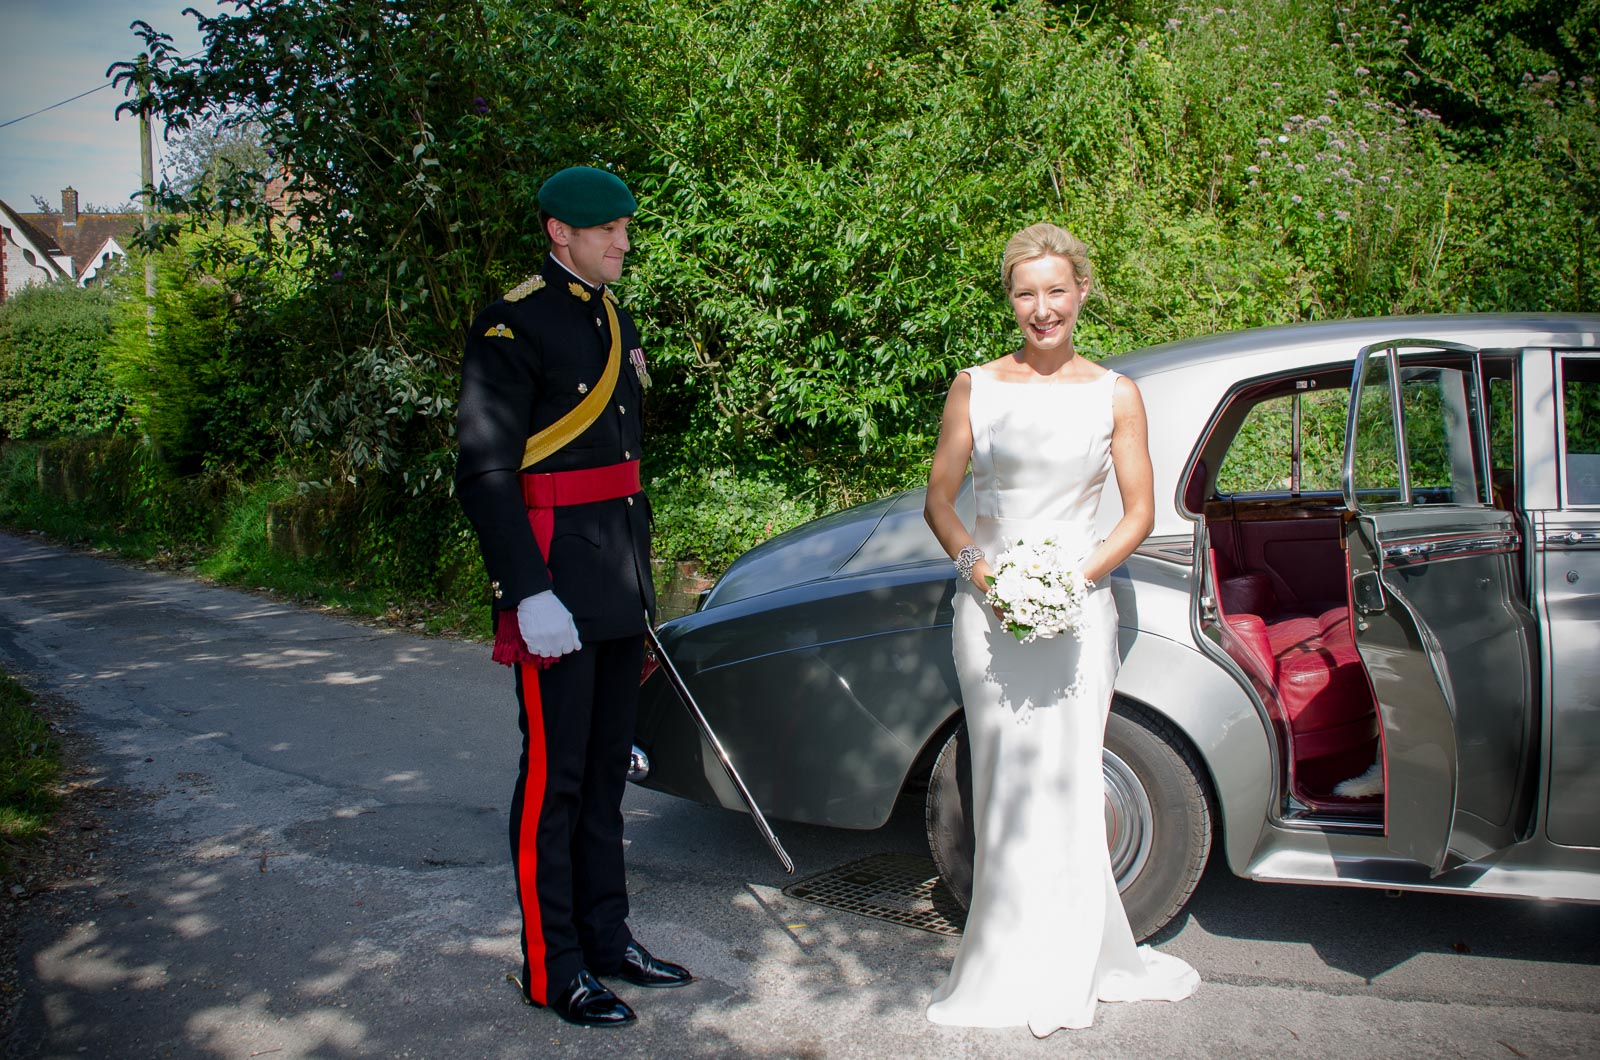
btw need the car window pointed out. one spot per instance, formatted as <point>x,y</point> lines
<point>1442,434</point>
<point>1500,382</point>
<point>1261,457</point>
<point>1580,403</point>
<point>1441,427</point>
<point>1376,464</point>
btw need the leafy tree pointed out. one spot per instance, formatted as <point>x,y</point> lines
<point>413,138</point>
<point>214,154</point>
<point>1471,60</point>
<point>206,374</point>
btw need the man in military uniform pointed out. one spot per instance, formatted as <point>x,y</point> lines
<point>550,436</point>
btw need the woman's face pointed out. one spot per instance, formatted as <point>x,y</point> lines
<point>1045,295</point>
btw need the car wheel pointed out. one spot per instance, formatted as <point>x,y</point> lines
<point>1158,816</point>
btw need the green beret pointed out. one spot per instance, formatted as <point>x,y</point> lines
<point>583,197</point>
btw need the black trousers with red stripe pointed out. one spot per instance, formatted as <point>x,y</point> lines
<point>577,721</point>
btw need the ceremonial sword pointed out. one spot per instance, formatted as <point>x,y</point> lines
<point>676,681</point>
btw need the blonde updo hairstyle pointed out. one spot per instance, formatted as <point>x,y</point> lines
<point>1045,240</point>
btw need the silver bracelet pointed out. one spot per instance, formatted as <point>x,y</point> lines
<point>966,559</point>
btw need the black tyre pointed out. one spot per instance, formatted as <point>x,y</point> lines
<point>1158,816</point>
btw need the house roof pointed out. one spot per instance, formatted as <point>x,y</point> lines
<point>26,235</point>
<point>85,239</point>
<point>89,266</point>
<point>40,238</point>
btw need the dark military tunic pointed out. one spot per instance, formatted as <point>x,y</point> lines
<point>528,362</point>
<point>530,358</point>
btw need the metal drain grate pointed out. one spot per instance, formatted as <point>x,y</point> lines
<point>900,888</point>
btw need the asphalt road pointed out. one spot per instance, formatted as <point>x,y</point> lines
<point>308,860</point>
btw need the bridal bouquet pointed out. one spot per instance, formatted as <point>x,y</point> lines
<point>1040,590</point>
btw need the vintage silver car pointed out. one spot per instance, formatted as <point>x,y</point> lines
<point>1361,646</point>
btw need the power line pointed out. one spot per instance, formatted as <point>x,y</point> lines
<point>53,106</point>
<point>80,95</point>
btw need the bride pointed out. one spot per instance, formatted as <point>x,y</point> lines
<point>1046,935</point>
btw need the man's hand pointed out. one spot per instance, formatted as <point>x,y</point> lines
<point>546,625</point>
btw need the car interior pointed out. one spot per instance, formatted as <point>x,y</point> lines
<point>1267,488</point>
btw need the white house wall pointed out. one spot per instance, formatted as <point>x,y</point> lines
<point>25,264</point>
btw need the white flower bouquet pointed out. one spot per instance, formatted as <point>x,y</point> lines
<point>1039,589</point>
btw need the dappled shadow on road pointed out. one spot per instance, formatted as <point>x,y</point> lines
<point>258,942</point>
<point>320,867</point>
<point>322,870</point>
<point>783,977</point>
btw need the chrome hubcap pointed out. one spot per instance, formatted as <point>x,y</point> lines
<point>1130,823</point>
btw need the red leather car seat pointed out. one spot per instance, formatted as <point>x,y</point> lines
<point>1311,663</point>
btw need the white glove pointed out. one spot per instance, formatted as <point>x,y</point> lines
<point>546,625</point>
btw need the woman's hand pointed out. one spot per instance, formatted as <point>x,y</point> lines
<point>982,576</point>
<point>983,579</point>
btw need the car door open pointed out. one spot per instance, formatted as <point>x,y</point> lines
<point>1438,613</point>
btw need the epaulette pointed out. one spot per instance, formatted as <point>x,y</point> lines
<point>525,288</point>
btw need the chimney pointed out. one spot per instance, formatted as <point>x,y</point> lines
<point>69,206</point>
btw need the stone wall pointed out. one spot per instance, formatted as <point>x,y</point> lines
<point>678,587</point>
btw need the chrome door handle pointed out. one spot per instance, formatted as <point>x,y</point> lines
<point>1407,553</point>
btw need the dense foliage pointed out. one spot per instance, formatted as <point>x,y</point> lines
<point>52,374</point>
<point>825,189</point>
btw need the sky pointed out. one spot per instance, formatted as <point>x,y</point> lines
<point>51,50</point>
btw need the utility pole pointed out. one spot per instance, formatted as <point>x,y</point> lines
<point>147,169</point>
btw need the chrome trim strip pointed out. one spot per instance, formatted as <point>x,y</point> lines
<point>1566,539</point>
<point>1168,552</point>
<point>1426,550</point>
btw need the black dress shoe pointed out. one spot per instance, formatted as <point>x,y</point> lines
<point>587,1002</point>
<point>641,969</point>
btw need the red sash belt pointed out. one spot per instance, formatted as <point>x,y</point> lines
<point>543,494</point>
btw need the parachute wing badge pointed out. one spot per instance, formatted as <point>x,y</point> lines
<point>499,331</point>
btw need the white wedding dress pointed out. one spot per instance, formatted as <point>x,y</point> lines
<point>1046,935</point>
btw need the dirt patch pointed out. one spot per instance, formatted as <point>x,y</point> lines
<point>57,878</point>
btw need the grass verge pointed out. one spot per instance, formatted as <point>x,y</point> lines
<point>30,772</point>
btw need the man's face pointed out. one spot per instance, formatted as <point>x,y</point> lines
<point>596,253</point>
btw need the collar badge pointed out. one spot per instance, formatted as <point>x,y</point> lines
<point>578,290</point>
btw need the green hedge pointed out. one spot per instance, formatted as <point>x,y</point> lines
<point>53,381</point>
